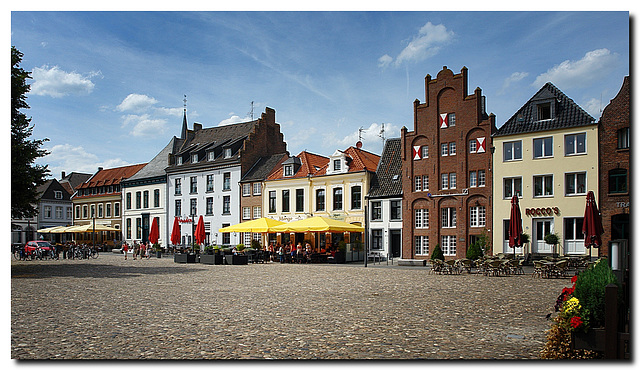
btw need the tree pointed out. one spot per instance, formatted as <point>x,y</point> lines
<point>26,176</point>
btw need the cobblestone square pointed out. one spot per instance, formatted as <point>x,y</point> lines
<point>111,308</point>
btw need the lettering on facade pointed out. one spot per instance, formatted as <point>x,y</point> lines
<point>622,204</point>
<point>548,211</point>
<point>185,220</point>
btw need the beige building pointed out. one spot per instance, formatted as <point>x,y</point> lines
<point>547,154</point>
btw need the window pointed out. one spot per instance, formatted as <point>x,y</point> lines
<point>272,201</point>
<point>444,149</point>
<point>376,211</point>
<point>618,181</point>
<point>128,201</point>
<point>257,188</point>
<point>257,212</point>
<point>376,239</point>
<point>320,200</point>
<point>246,213</point>
<point>417,183</point>
<point>449,245</point>
<point>299,200</point>
<point>194,207</point>
<point>473,179</point>
<point>209,209</point>
<point>575,183</point>
<point>623,138</point>
<point>93,211</point>
<point>543,147</point>
<point>194,158</point>
<point>543,186</point>
<point>445,181</point>
<point>337,199</point>
<point>473,146</point>
<point>478,216</point>
<point>47,211</point>
<point>425,182</point>
<point>156,198</point>
<point>226,205</point>
<point>100,210</point>
<point>227,152</point>
<point>396,210</point>
<point>226,237</point>
<point>285,201</point>
<point>575,144</point>
<point>59,213</point>
<point>57,194</point>
<point>178,208</point>
<point>128,228</point>
<point>356,197</point>
<point>145,199</point>
<point>422,245</point>
<point>211,155</point>
<point>209,183</point>
<point>448,219</point>
<point>512,151</point>
<point>138,200</point>
<point>452,148</point>
<point>178,186</point>
<point>108,214</point>
<point>179,160</point>
<point>452,180</point>
<point>116,209</point>
<point>452,119</point>
<point>85,211</point>
<point>421,218</point>
<point>337,164</point>
<point>544,111</point>
<point>138,228</point>
<point>481,178</point>
<point>194,185</point>
<point>77,211</point>
<point>425,151</point>
<point>226,181</point>
<point>512,185</point>
<point>246,190</point>
<point>288,170</point>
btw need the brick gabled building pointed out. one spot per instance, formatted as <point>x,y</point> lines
<point>614,168</point>
<point>446,169</point>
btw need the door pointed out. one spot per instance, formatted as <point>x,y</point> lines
<point>505,240</point>
<point>573,237</point>
<point>145,227</point>
<point>542,227</point>
<point>396,243</point>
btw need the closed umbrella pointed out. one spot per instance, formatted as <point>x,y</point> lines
<point>592,223</point>
<point>515,225</point>
<point>154,234</point>
<point>175,233</point>
<point>199,235</point>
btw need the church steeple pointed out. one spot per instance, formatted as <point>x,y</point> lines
<point>183,133</point>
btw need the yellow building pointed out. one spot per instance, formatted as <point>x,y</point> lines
<point>547,153</point>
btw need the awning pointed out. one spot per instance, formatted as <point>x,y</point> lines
<point>318,224</point>
<point>261,225</point>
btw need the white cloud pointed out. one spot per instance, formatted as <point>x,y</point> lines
<point>426,44</point>
<point>384,61</point>
<point>65,157</point>
<point>592,67</point>
<point>515,77</point>
<point>58,83</point>
<point>371,137</point>
<point>145,125</point>
<point>593,107</point>
<point>136,103</point>
<point>233,119</point>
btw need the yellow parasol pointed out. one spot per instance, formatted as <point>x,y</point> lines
<point>318,224</point>
<point>261,225</point>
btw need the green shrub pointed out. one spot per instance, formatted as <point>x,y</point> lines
<point>590,290</point>
<point>255,244</point>
<point>240,247</point>
<point>474,251</point>
<point>437,253</point>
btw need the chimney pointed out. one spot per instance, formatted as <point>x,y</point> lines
<point>100,169</point>
<point>63,175</point>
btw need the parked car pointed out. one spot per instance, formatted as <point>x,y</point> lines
<point>33,245</point>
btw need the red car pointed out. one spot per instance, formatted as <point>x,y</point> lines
<point>32,245</point>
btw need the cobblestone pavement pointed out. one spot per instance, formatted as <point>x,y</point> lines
<point>109,308</point>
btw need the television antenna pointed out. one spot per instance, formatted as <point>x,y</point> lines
<point>250,114</point>
<point>381,134</point>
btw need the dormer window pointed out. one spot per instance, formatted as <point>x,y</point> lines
<point>57,194</point>
<point>212,155</point>
<point>337,165</point>
<point>179,160</point>
<point>288,170</point>
<point>227,152</point>
<point>544,111</point>
<point>194,158</point>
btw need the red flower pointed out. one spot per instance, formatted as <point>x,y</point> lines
<point>566,293</point>
<point>574,278</point>
<point>576,321</point>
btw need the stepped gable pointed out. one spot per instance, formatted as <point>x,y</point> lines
<point>567,114</point>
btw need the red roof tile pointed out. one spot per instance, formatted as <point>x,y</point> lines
<point>111,175</point>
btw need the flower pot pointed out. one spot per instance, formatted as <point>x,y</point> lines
<point>158,254</point>
<point>592,340</point>
<point>207,259</point>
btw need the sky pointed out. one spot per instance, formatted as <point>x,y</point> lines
<point>108,88</point>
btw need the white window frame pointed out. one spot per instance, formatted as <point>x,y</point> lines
<point>449,245</point>
<point>544,146</point>
<point>512,182</point>
<point>444,185</point>
<point>425,151</point>
<point>473,179</point>
<point>543,178</point>
<point>257,212</point>
<point>417,183</point>
<point>246,213</point>
<point>567,181</point>
<point>452,148</point>
<point>477,216</point>
<point>421,245</point>
<point>421,220</point>
<point>257,188</point>
<point>473,146</point>
<point>425,182</point>
<point>246,189</point>
<point>449,217</point>
<point>574,139</point>
<point>453,180</point>
<point>482,178</point>
<point>376,210</point>
<point>444,149</point>
<point>512,144</point>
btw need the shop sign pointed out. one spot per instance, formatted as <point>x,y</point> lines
<point>185,220</point>
<point>622,204</point>
<point>548,211</point>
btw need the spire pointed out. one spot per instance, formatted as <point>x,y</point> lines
<point>183,133</point>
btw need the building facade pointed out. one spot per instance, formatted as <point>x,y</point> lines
<point>385,203</point>
<point>446,169</point>
<point>99,200</point>
<point>204,172</point>
<point>547,154</point>
<point>55,209</point>
<point>615,180</point>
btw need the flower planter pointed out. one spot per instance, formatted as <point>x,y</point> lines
<point>184,258</point>
<point>207,259</point>
<point>592,340</point>
<point>158,254</point>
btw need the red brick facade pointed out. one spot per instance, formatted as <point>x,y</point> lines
<point>450,117</point>
<point>613,136</point>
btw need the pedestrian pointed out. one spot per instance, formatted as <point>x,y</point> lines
<point>136,249</point>
<point>125,248</point>
<point>143,249</point>
<point>281,254</point>
<point>300,252</point>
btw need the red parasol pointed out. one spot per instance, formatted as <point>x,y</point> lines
<point>592,223</point>
<point>199,235</point>
<point>154,234</point>
<point>515,225</point>
<point>175,233</point>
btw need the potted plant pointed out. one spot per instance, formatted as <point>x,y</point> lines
<point>553,240</point>
<point>437,253</point>
<point>208,249</point>
<point>158,249</point>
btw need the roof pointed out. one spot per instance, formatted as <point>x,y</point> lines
<point>111,176</point>
<point>309,165</point>
<point>72,180</point>
<point>361,160</point>
<point>156,166</point>
<point>567,114</point>
<point>263,167</point>
<point>387,180</point>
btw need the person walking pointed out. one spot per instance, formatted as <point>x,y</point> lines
<point>281,254</point>
<point>125,248</point>
<point>143,249</point>
<point>136,249</point>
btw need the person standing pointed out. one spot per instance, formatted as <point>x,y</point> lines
<point>143,250</point>
<point>125,248</point>
<point>136,249</point>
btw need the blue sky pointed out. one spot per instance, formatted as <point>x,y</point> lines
<point>108,87</point>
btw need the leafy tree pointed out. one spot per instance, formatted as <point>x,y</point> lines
<point>26,176</point>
